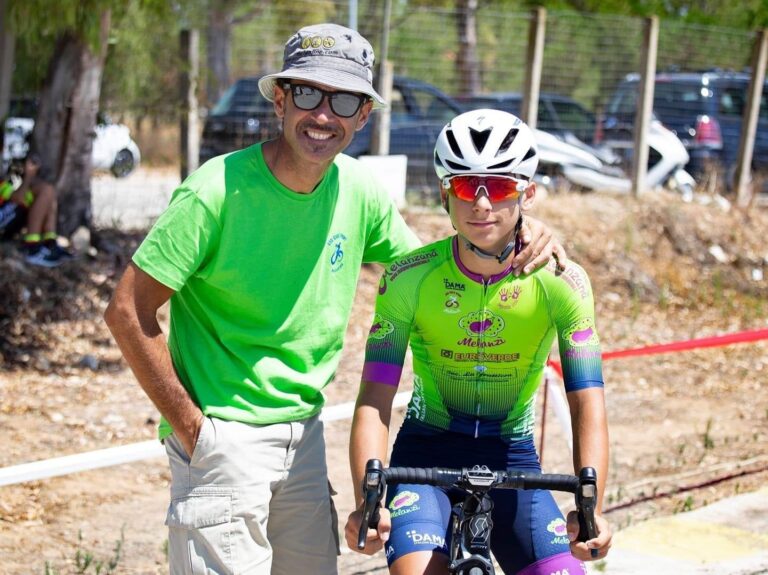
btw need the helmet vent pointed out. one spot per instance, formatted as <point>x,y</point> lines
<point>499,166</point>
<point>455,166</point>
<point>454,144</point>
<point>480,139</point>
<point>507,142</point>
<point>529,154</point>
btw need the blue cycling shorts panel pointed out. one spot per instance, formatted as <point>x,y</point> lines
<point>528,525</point>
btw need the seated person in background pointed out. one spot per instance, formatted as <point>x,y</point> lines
<point>32,207</point>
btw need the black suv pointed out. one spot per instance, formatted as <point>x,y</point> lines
<point>241,117</point>
<point>418,112</point>
<point>704,109</point>
<point>557,114</point>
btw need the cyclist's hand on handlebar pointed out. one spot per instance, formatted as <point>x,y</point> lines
<point>376,537</point>
<point>539,245</point>
<point>582,549</point>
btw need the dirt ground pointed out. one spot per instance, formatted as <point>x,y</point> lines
<point>687,428</point>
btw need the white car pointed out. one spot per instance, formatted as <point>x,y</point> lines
<point>113,148</point>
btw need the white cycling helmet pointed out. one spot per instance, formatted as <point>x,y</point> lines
<point>486,142</point>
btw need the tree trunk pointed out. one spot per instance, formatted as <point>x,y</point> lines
<point>467,63</point>
<point>7,50</point>
<point>65,124</point>
<point>218,52</point>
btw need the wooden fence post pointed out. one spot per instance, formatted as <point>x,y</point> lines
<point>749,121</point>
<point>535,61</point>
<point>644,104</point>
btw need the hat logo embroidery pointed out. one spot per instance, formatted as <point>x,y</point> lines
<point>318,41</point>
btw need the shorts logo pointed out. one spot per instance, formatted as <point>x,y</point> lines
<point>380,328</point>
<point>558,528</point>
<point>425,538</point>
<point>404,499</point>
<point>404,503</point>
<point>335,246</point>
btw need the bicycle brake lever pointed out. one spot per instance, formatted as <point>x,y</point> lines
<point>373,491</point>
<point>586,503</point>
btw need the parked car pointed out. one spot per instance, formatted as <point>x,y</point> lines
<point>241,117</point>
<point>418,112</point>
<point>557,114</point>
<point>113,148</point>
<point>704,109</point>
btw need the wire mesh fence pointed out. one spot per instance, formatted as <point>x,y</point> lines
<point>447,60</point>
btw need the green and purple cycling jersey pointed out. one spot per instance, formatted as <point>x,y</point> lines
<point>480,347</point>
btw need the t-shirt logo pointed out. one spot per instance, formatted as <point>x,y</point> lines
<point>335,246</point>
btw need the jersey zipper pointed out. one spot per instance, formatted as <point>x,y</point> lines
<point>480,359</point>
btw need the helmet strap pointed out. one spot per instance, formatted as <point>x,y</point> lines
<point>514,245</point>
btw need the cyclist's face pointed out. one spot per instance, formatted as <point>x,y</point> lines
<point>317,135</point>
<point>488,225</point>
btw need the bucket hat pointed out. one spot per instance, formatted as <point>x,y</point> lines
<point>327,54</point>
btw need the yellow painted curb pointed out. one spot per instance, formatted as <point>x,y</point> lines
<point>688,540</point>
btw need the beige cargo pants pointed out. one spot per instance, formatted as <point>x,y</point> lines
<point>253,499</point>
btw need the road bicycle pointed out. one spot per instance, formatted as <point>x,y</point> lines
<point>471,524</point>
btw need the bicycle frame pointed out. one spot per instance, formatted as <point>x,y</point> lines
<point>471,523</point>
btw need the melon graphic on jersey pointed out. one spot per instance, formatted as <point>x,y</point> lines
<point>582,333</point>
<point>381,328</point>
<point>483,323</point>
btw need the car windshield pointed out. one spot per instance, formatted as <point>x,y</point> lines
<point>677,98</point>
<point>22,108</point>
<point>242,98</point>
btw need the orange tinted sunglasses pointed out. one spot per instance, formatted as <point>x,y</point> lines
<point>499,188</point>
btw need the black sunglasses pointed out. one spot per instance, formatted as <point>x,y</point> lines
<point>343,104</point>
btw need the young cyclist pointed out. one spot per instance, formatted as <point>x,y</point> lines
<point>480,338</point>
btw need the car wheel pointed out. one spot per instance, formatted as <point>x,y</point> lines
<point>124,163</point>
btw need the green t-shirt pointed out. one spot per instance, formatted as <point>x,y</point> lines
<point>264,281</point>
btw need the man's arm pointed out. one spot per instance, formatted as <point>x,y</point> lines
<point>132,318</point>
<point>369,439</point>
<point>590,449</point>
<point>540,245</point>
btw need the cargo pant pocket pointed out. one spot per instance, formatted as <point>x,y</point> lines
<point>200,532</point>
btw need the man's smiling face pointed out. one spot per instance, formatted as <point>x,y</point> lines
<point>317,136</point>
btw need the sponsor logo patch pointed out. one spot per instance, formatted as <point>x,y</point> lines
<point>558,527</point>
<point>582,333</point>
<point>380,328</point>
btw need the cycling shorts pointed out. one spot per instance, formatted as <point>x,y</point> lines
<point>529,533</point>
<point>13,219</point>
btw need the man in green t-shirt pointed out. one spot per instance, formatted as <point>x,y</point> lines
<point>259,253</point>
